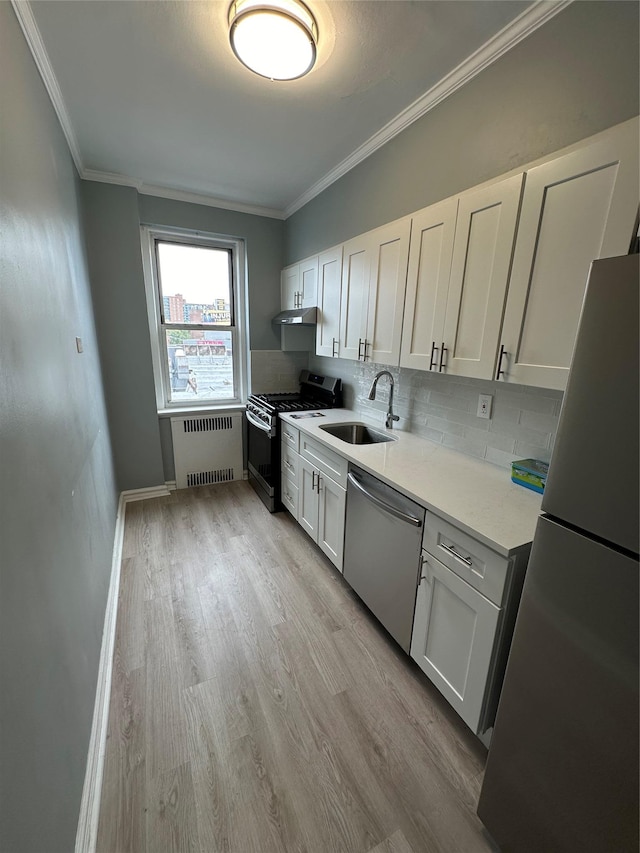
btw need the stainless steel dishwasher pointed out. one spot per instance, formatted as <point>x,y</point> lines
<point>382,546</point>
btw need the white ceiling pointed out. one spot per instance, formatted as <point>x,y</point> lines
<point>150,94</point>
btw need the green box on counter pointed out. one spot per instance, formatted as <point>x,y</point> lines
<point>530,473</point>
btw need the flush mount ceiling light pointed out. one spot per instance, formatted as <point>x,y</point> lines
<point>275,39</point>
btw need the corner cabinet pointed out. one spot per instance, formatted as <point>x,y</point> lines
<point>465,612</point>
<point>576,208</point>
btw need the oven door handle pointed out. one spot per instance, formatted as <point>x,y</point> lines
<point>256,422</point>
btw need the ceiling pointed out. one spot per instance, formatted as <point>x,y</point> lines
<point>149,93</point>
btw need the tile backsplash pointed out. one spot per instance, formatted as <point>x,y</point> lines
<point>441,408</point>
<point>273,370</point>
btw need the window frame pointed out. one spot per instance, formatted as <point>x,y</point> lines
<point>150,237</point>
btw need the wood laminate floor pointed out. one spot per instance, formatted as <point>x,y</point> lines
<point>257,706</point>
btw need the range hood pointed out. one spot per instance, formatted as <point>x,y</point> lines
<point>297,317</point>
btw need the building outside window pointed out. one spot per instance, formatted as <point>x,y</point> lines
<point>195,299</point>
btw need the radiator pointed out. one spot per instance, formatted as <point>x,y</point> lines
<point>207,449</point>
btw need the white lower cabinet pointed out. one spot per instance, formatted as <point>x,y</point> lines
<point>453,638</point>
<point>466,607</point>
<point>321,510</point>
<point>316,501</point>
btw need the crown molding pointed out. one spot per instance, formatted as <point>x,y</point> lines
<point>210,201</point>
<point>178,194</point>
<point>38,51</point>
<point>521,27</point>
<point>110,178</point>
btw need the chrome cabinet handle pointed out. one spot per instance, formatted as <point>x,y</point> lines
<point>313,481</point>
<point>432,360</point>
<point>367,355</point>
<point>361,356</point>
<point>288,465</point>
<point>451,550</point>
<point>442,365</point>
<point>319,481</point>
<point>334,354</point>
<point>500,372</point>
<point>424,575</point>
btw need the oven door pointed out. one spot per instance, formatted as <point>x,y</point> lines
<point>264,461</point>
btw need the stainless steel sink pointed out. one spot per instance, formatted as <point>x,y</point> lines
<point>357,433</point>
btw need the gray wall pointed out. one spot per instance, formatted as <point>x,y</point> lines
<point>58,498</point>
<point>115,263</point>
<point>113,215</point>
<point>574,77</point>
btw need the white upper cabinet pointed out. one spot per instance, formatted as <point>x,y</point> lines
<point>387,281</point>
<point>432,233</point>
<point>374,273</point>
<point>458,272</point>
<point>289,287</point>
<point>491,282</point>
<point>576,208</point>
<point>309,282</point>
<point>298,285</point>
<point>482,250</point>
<point>329,279</point>
<point>354,298</point>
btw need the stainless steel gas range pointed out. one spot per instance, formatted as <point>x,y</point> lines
<point>263,429</point>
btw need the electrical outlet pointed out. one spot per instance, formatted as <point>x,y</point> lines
<point>484,406</point>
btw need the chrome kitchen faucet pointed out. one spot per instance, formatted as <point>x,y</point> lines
<point>372,396</point>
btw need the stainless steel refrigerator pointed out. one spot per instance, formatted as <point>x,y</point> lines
<point>562,769</point>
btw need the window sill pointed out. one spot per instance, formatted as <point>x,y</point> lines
<point>177,411</point>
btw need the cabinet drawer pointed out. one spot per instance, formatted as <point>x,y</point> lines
<point>329,463</point>
<point>290,495</point>
<point>290,436</point>
<point>477,564</point>
<point>290,463</point>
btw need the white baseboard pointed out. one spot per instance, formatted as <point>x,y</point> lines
<point>87,832</point>
<point>144,494</point>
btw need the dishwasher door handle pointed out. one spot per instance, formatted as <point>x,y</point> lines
<point>403,516</point>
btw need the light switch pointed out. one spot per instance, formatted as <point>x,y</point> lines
<point>79,344</point>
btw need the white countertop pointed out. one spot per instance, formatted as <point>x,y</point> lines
<point>476,496</point>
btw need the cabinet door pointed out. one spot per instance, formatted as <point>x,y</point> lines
<point>308,499</point>
<point>431,249</point>
<point>289,287</point>
<point>354,296</point>
<point>328,327</point>
<point>309,282</point>
<point>483,247</point>
<point>387,283</point>
<point>453,638</point>
<point>332,504</point>
<point>577,208</point>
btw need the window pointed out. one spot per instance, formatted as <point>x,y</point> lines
<point>196,307</point>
